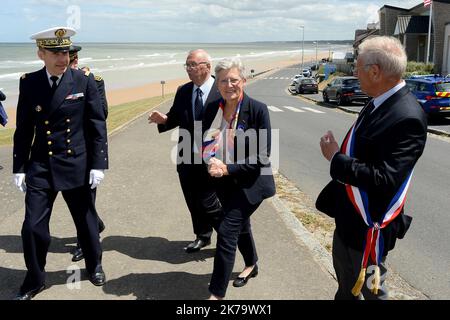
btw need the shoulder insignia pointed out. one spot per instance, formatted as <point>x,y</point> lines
<point>23,76</point>
<point>98,78</point>
<point>87,73</point>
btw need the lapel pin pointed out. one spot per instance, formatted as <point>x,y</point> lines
<point>38,108</point>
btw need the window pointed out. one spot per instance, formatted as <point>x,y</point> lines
<point>443,87</point>
<point>422,87</point>
<point>411,85</point>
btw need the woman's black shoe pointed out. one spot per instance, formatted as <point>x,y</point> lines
<point>240,282</point>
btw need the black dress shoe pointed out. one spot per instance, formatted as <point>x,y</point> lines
<point>29,295</point>
<point>77,254</point>
<point>197,245</point>
<point>97,278</point>
<point>101,225</point>
<point>242,281</point>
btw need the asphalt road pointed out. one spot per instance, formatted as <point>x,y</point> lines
<point>423,257</point>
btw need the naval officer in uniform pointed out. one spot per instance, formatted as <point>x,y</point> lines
<point>60,144</point>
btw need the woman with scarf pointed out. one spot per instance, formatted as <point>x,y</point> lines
<point>237,150</point>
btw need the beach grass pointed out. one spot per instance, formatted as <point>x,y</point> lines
<point>6,136</point>
<point>122,113</point>
<point>117,116</point>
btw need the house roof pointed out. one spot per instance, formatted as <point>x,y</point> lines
<point>361,37</point>
<point>412,25</point>
<point>392,7</point>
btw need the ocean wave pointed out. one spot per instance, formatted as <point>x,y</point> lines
<point>18,63</point>
<point>140,65</point>
<point>11,76</point>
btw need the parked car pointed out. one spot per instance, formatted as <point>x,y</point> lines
<point>306,72</point>
<point>307,85</point>
<point>296,78</point>
<point>344,90</point>
<point>432,92</point>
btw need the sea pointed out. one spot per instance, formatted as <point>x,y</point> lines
<point>126,65</point>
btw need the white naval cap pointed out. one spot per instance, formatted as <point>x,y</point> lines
<point>54,39</point>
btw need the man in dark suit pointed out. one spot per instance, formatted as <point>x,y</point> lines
<point>371,172</point>
<point>73,58</point>
<point>3,115</point>
<point>60,144</point>
<point>191,101</point>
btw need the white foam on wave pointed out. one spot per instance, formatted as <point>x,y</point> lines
<point>11,76</point>
<point>140,65</point>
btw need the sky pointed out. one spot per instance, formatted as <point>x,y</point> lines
<point>192,20</point>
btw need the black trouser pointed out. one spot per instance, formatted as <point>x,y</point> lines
<point>194,180</point>
<point>233,232</point>
<point>347,264</point>
<point>36,234</point>
<point>101,224</point>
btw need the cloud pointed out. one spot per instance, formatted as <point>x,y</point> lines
<point>211,20</point>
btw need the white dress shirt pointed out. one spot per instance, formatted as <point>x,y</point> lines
<point>50,80</point>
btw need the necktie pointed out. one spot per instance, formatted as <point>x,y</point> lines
<point>365,113</point>
<point>198,105</point>
<point>54,84</point>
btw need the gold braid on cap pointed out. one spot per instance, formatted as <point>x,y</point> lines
<point>53,43</point>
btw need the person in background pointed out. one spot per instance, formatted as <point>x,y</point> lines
<point>371,172</point>
<point>243,179</point>
<point>3,115</point>
<point>73,63</point>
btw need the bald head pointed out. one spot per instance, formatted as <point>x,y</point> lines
<point>200,53</point>
<point>198,66</point>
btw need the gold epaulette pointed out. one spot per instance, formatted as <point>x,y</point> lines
<point>87,73</point>
<point>23,76</point>
<point>98,78</point>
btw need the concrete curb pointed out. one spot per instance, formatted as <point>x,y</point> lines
<point>319,253</point>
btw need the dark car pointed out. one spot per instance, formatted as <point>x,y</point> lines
<point>307,85</point>
<point>433,94</point>
<point>344,90</point>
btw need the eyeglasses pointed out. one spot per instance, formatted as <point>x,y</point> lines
<point>194,65</point>
<point>355,69</point>
<point>233,82</point>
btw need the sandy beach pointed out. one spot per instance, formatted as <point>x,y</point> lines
<point>119,96</point>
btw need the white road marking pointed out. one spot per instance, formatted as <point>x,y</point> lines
<point>294,109</point>
<point>274,109</point>
<point>312,110</point>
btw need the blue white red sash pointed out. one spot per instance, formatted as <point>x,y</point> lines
<point>374,246</point>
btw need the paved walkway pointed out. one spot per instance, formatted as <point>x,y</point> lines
<point>147,226</point>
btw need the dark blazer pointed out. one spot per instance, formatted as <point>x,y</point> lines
<point>59,139</point>
<point>180,115</point>
<point>251,169</point>
<point>387,146</point>
<point>102,92</point>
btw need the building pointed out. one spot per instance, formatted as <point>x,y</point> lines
<point>410,26</point>
<point>373,29</point>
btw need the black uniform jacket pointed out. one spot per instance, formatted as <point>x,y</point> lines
<point>387,146</point>
<point>59,138</point>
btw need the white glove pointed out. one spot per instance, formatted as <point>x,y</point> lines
<point>95,177</point>
<point>19,180</point>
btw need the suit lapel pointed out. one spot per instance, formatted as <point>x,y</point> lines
<point>188,98</point>
<point>211,107</point>
<point>379,113</point>
<point>244,113</point>
<point>64,89</point>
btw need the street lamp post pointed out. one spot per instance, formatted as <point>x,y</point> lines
<point>303,43</point>
<point>317,61</point>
